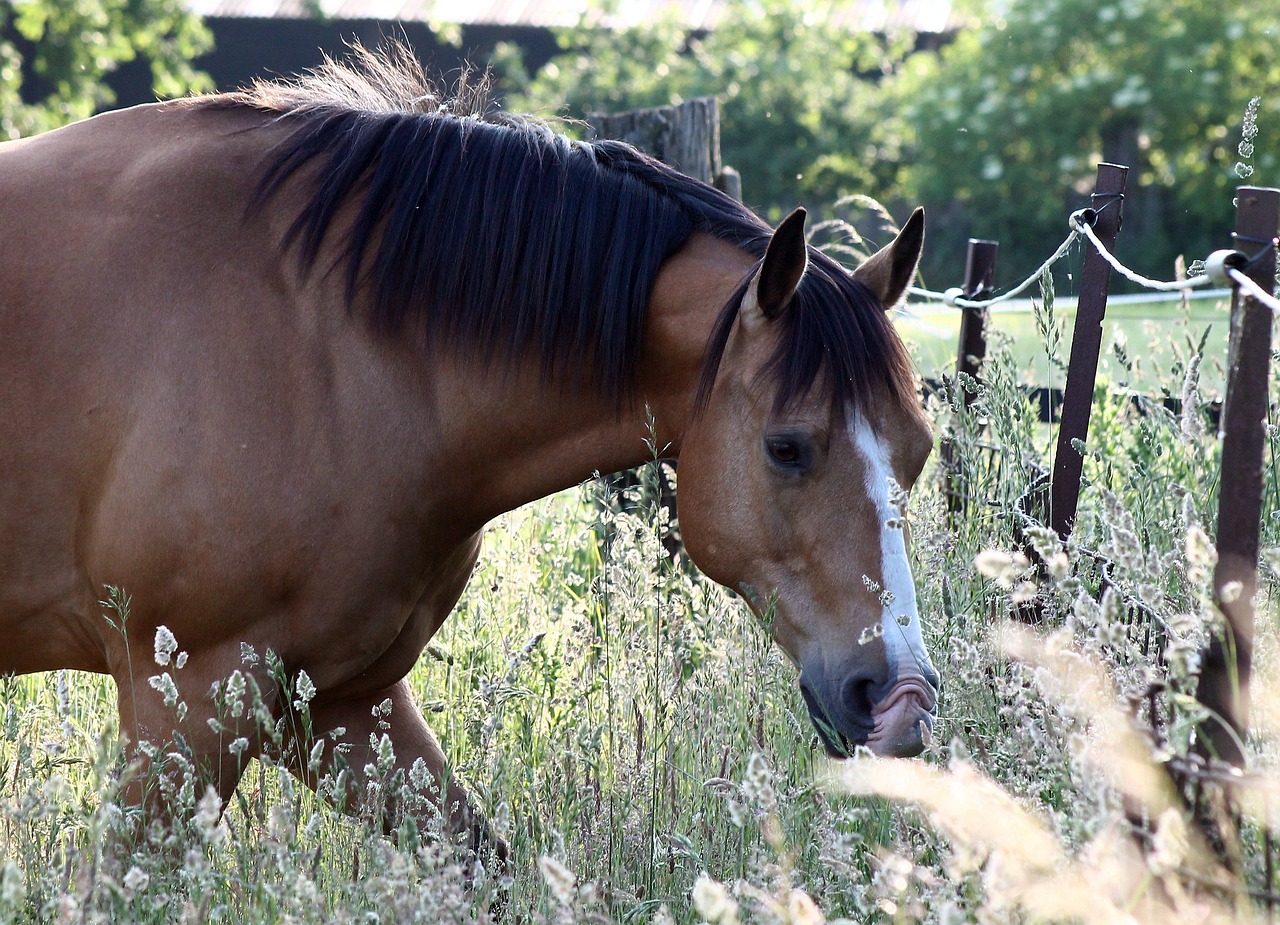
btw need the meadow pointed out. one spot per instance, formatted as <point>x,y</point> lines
<point>643,747</point>
<point>933,330</point>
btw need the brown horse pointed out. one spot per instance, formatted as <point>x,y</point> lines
<point>271,360</point>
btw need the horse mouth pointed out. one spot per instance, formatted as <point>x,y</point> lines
<point>898,728</point>
<point>902,719</point>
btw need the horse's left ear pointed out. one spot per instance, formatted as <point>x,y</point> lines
<point>889,271</point>
<point>785,260</point>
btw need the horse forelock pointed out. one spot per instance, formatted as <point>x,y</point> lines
<point>835,335</point>
<point>479,230</point>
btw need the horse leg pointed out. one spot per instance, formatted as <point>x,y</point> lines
<point>170,738</point>
<point>412,740</point>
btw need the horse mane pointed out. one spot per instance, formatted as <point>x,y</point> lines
<point>490,233</point>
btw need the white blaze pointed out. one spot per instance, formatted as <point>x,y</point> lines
<point>899,620</point>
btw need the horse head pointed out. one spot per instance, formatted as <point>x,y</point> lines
<point>795,494</point>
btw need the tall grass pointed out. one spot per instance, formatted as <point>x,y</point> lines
<point>642,746</point>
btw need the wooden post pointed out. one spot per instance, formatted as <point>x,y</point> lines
<point>1082,368</point>
<point>686,137</point>
<point>729,182</point>
<point>979,281</point>
<point>1224,677</point>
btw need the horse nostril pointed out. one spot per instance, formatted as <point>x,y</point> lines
<point>858,697</point>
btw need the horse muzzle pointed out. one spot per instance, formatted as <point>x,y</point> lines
<point>892,720</point>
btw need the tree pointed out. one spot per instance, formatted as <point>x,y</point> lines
<point>792,101</point>
<point>1000,132</point>
<point>55,54</point>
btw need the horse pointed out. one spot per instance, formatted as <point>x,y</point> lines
<point>272,359</point>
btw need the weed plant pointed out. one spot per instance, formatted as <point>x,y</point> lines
<point>641,744</point>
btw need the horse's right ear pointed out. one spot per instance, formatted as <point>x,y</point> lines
<point>785,260</point>
<point>889,271</point>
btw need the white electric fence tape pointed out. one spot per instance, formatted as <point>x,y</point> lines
<point>955,295</point>
<point>1078,222</point>
<point>1244,282</point>
<point>1221,268</point>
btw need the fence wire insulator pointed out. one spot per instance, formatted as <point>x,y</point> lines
<point>1217,266</point>
<point>1082,217</point>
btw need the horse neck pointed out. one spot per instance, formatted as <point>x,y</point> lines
<point>531,438</point>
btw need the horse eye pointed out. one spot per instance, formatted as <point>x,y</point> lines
<point>785,452</point>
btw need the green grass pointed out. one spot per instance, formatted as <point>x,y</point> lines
<point>1148,327</point>
<point>639,741</point>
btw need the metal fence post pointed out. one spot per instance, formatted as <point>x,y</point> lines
<point>1082,369</point>
<point>979,281</point>
<point>1224,677</point>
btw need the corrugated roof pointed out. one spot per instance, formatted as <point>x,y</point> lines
<point>861,15</point>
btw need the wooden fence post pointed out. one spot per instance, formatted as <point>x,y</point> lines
<point>1224,677</point>
<point>979,281</point>
<point>1082,369</point>
<point>686,137</point>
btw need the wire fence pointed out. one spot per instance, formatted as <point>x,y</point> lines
<point>956,296</point>
<point>1217,759</point>
<point>1222,268</point>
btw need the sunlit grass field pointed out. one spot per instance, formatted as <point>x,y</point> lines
<point>933,330</point>
<point>642,745</point>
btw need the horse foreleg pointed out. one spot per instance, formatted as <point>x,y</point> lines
<point>363,717</point>
<point>175,754</point>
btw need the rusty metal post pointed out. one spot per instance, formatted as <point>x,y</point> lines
<point>979,281</point>
<point>1086,343</point>
<point>1224,678</point>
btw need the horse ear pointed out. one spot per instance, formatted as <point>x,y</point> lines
<point>889,271</point>
<point>785,261</point>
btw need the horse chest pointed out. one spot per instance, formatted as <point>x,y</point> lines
<point>367,650</point>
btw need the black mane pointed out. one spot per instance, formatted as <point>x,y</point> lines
<point>490,233</point>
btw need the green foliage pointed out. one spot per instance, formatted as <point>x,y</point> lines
<point>55,54</point>
<point>792,104</point>
<point>1001,131</point>
<point>998,134</point>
